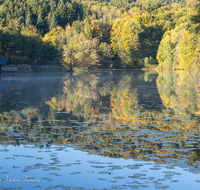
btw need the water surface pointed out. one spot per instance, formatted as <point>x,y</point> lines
<point>100,130</point>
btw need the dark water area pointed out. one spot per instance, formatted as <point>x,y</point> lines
<point>100,130</point>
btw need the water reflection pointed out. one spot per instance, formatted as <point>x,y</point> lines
<point>129,115</point>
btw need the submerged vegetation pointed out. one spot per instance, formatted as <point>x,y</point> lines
<point>83,35</point>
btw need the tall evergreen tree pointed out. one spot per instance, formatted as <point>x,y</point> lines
<point>40,23</point>
<point>54,22</point>
<point>28,20</point>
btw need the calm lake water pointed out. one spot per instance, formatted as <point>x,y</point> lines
<point>100,130</point>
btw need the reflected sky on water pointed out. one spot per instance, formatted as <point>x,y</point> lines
<point>114,130</point>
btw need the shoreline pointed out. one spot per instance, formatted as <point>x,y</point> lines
<point>58,68</point>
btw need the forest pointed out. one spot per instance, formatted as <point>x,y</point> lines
<point>93,35</point>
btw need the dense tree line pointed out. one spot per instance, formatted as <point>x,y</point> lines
<point>179,47</point>
<point>45,15</point>
<point>26,47</point>
<point>22,24</point>
<point>96,35</point>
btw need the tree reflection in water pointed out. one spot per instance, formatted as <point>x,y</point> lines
<point>130,115</point>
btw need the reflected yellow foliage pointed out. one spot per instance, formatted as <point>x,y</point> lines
<point>180,91</point>
<point>108,116</point>
<point>123,104</point>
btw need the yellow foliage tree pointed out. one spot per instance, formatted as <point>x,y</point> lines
<point>187,55</point>
<point>125,40</point>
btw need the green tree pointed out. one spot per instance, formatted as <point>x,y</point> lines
<point>40,23</point>
<point>87,28</point>
<point>28,20</point>
<point>54,22</point>
<point>196,17</point>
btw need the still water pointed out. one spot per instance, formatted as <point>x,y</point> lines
<point>100,130</point>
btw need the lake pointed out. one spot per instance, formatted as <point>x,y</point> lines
<point>100,130</point>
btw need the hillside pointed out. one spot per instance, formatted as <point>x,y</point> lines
<point>100,35</point>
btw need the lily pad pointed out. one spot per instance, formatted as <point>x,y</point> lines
<point>104,172</point>
<point>119,177</point>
